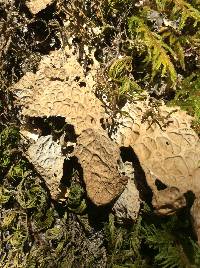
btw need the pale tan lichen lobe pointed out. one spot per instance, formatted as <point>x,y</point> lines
<point>55,91</point>
<point>168,151</point>
<point>35,6</point>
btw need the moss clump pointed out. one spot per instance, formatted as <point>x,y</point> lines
<point>152,242</point>
<point>75,201</point>
<point>9,137</point>
<point>188,97</point>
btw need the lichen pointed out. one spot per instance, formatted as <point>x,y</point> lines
<point>168,150</point>
<point>60,88</point>
<point>35,6</point>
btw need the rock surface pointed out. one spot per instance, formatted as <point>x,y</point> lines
<point>127,206</point>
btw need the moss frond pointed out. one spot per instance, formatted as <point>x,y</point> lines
<point>188,97</point>
<point>76,201</point>
<point>157,50</point>
<point>170,254</point>
<point>120,68</point>
<point>181,8</point>
<point>30,193</point>
<point>131,87</point>
<point>177,43</point>
<point>119,72</point>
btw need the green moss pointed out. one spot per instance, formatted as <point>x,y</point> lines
<point>188,97</point>
<point>42,218</point>
<point>30,194</point>
<point>76,201</point>
<point>9,137</point>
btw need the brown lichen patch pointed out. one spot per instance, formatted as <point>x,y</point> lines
<point>168,201</point>
<point>99,158</point>
<point>196,217</point>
